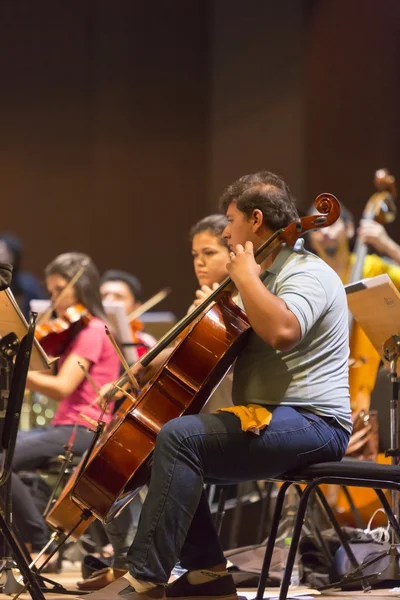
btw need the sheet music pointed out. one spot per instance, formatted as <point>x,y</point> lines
<point>116,313</point>
<point>375,305</point>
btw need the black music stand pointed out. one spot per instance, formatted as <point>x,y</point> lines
<point>13,379</point>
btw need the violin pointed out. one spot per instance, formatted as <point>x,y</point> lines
<point>207,341</point>
<point>55,335</point>
<point>136,326</point>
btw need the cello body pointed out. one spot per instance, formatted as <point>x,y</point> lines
<point>64,514</point>
<point>120,466</point>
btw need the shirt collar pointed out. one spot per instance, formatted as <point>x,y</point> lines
<point>283,255</point>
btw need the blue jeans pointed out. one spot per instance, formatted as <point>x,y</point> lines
<point>33,449</point>
<point>176,522</point>
<point>121,532</point>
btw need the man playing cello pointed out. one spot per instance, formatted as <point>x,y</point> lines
<point>294,365</point>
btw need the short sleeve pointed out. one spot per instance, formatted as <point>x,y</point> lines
<point>305,297</point>
<point>89,343</point>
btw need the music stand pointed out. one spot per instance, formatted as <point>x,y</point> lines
<point>19,351</point>
<point>116,313</point>
<point>375,304</point>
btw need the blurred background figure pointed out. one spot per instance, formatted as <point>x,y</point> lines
<point>25,286</point>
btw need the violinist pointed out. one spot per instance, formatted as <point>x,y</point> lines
<point>91,347</point>
<point>293,367</point>
<point>24,285</point>
<point>120,286</point>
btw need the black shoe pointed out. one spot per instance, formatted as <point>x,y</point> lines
<point>221,588</point>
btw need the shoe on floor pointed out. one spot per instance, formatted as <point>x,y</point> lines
<point>100,579</point>
<point>122,590</point>
<point>221,588</point>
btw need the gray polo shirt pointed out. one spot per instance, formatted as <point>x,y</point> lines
<point>314,374</point>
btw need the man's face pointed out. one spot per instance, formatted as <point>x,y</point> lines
<point>327,242</point>
<point>239,229</point>
<point>119,291</point>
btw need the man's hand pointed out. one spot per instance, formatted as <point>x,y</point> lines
<point>373,233</point>
<point>243,264</point>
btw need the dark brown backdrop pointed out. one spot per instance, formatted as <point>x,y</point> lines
<point>122,121</point>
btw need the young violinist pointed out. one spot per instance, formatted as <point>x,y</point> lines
<point>88,345</point>
<point>210,254</point>
<point>294,366</point>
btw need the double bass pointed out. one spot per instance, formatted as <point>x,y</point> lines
<point>364,359</point>
<point>206,343</point>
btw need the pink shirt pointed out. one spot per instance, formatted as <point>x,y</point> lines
<point>93,344</point>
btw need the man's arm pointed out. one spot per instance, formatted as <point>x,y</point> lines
<point>268,315</point>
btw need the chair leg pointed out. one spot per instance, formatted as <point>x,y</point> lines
<point>311,523</point>
<point>221,508</point>
<point>298,524</point>
<point>265,506</point>
<point>271,540</point>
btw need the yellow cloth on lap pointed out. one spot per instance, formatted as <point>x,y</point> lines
<point>253,417</point>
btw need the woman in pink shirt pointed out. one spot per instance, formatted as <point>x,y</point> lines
<point>89,346</point>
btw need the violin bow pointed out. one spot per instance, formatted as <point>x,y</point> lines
<point>150,303</point>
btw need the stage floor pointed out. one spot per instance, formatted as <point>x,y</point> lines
<point>68,579</point>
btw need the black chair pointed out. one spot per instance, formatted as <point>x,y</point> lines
<point>346,472</point>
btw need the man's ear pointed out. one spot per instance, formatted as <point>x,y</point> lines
<point>258,219</point>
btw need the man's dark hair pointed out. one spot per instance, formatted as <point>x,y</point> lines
<point>264,191</point>
<point>214,224</point>
<point>131,281</point>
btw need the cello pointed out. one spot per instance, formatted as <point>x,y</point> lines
<point>207,342</point>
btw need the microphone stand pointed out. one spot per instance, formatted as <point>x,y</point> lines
<point>12,381</point>
<point>9,346</point>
